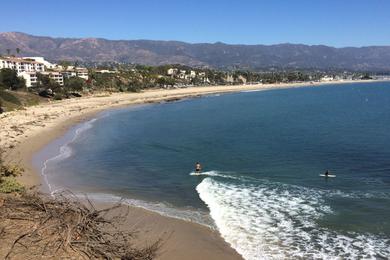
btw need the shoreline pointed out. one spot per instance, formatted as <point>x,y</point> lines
<point>28,131</point>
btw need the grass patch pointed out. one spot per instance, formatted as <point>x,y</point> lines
<point>8,97</point>
<point>13,100</point>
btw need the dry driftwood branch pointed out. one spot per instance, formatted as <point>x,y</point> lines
<point>66,226</point>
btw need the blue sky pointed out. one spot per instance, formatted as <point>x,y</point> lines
<point>330,22</point>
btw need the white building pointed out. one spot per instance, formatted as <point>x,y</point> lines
<point>229,78</point>
<point>25,68</point>
<point>68,74</point>
<point>21,65</point>
<point>56,76</point>
<point>106,71</point>
<point>47,64</point>
<point>192,74</point>
<point>172,71</point>
<point>82,73</point>
<point>71,71</point>
<point>327,78</point>
<point>242,78</point>
<point>30,77</point>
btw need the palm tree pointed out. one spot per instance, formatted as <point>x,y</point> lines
<point>8,51</point>
<point>17,50</point>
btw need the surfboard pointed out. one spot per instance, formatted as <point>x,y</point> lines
<point>329,175</point>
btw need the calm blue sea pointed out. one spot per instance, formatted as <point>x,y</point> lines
<point>262,153</point>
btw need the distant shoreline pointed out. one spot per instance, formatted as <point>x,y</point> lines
<point>28,131</point>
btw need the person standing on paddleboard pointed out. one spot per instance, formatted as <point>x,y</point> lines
<point>198,167</point>
<point>326,173</point>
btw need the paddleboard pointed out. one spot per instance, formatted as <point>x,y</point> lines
<point>329,175</point>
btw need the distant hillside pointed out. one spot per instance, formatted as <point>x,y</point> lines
<point>216,55</point>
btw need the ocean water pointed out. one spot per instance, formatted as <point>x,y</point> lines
<point>262,153</point>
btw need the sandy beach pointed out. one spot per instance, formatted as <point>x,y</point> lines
<point>24,132</point>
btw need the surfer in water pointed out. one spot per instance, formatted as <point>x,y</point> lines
<point>198,167</point>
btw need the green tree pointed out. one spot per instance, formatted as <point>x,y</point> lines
<point>17,50</point>
<point>9,79</point>
<point>164,81</point>
<point>74,84</point>
<point>8,51</point>
<point>44,81</point>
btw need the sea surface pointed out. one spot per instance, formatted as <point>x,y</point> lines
<point>262,153</point>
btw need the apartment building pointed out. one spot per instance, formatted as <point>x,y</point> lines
<point>48,65</point>
<point>21,65</point>
<point>55,75</point>
<point>30,77</point>
<point>75,72</point>
<point>26,68</point>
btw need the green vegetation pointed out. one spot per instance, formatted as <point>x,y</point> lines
<point>7,96</point>
<point>11,100</point>
<point>8,173</point>
<point>366,76</point>
<point>74,84</point>
<point>10,185</point>
<point>10,80</point>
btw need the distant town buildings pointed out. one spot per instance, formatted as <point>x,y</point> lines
<point>172,71</point>
<point>327,78</point>
<point>106,71</point>
<point>187,75</point>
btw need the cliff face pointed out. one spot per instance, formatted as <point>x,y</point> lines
<point>216,55</point>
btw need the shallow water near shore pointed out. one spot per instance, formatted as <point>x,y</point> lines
<point>262,154</point>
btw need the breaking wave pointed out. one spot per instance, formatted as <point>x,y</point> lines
<point>271,221</point>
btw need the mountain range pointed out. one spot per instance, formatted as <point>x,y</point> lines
<point>214,55</point>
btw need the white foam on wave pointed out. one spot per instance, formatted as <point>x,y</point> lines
<point>65,151</point>
<point>359,194</point>
<point>253,90</point>
<point>215,174</point>
<point>269,221</point>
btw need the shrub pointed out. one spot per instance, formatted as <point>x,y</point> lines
<point>8,172</point>
<point>9,184</point>
<point>75,84</point>
<point>58,97</point>
<point>10,79</point>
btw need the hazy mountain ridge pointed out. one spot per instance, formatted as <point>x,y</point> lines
<point>217,55</point>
